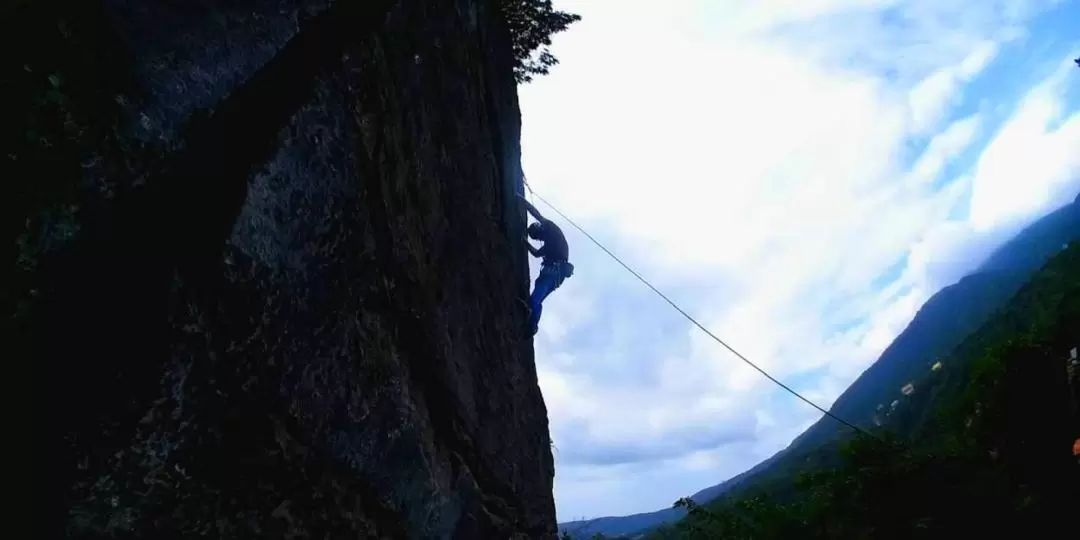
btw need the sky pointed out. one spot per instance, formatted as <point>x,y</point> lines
<point>800,175</point>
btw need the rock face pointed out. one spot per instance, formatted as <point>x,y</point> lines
<point>276,277</point>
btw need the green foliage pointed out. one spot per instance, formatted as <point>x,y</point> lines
<point>531,24</point>
<point>984,449</point>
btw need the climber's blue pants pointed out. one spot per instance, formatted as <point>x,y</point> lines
<point>551,276</point>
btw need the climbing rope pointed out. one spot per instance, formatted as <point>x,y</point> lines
<point>693,320</point>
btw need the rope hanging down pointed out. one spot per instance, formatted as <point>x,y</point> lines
<point>694,321</point>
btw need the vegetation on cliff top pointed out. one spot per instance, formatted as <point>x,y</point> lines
<point>531,24</point>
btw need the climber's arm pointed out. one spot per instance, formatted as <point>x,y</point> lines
<point>532,209</point>
<point>532,249</point>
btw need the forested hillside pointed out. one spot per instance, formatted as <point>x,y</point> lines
<point>917,357</point>
<point>984,446</point>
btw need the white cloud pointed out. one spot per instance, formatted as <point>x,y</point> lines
<point>1031,162</point>
<point>932,96</point>
<point>785,170</point>
<point>945,146</point>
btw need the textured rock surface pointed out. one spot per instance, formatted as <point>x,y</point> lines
<point>274,266</point>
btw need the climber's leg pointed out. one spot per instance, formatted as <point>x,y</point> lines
<point>545,283</point>
<point>535,307</point>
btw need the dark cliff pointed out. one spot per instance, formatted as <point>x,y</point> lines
<point>270,264</point>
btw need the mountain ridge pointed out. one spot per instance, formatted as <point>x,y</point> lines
<point>940,324</point>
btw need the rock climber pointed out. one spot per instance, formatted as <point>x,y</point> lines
<point>555,267</point>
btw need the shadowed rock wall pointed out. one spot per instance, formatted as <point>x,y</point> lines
<point>271,263</point>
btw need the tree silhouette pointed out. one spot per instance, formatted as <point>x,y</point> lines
<point>531,24</point>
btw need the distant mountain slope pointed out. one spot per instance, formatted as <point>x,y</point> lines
<point>1032,247</point>
<point>983,446</point>
<point>636,523</point>
<point>949,316</point>
<point>942,323</point>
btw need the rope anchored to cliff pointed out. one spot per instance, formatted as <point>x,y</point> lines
<point>693,320</point>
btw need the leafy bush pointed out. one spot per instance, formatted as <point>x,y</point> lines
<point>531,24</point>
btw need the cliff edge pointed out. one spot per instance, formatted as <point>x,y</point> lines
<point>271,259</point>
